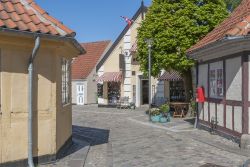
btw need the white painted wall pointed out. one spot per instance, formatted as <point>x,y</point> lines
<point>212,111</point>
<point>220,114</point>
<point>205,111</point>
<point>200,109</point>
<point>229,114</point>
<point>238,119</point>
<point>234,79</point>
<point>127,88</point>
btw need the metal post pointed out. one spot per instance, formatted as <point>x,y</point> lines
<point>149,42</point>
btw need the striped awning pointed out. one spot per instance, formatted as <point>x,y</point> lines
<point>134,47</point>
<point>171,76</point>
<point>110,77</point>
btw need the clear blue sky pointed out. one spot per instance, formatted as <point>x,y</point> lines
<point>93,20</point>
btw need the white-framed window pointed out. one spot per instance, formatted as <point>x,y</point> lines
<point>65,81</point>
<point>216,80</point>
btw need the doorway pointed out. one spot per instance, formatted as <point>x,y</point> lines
<point>80,94</point>
<point>144,91</point>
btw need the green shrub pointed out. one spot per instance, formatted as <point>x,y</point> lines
<point>164,108</point>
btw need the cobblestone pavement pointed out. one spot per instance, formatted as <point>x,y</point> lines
<point>125,138</point>
<point>134,142</point>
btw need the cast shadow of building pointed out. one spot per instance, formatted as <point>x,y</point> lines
<point>84,137</point>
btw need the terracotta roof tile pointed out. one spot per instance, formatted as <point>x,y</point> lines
<point>32,27</point>
<point>84,64</point>
<point>26,15</point>
<point>1,23</point>
<point>19,8</point>
<point>22,26</point>
<point>9,7</point>
<point>4,15</point>
<point>237,24</point>
<point>9,23</point>
<point>15,17</point>
<point>35,19</point>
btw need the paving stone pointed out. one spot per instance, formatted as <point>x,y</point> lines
<point>125,138</point>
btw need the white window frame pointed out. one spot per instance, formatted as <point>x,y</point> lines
<point>65,91</point>
<point>216,82</point>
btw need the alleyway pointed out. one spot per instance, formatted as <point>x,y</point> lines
<point>124,138</point>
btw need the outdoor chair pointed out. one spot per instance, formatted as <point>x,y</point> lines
<point>124,103</point>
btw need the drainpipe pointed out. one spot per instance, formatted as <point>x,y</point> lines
<point>30,102</point>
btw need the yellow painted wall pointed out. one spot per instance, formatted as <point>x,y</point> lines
<point>52,121</point>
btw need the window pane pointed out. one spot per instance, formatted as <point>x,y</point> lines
<point>216,82</point>
<point>65,81</point>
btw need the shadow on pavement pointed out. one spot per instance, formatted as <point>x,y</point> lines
<point>83,137</point>
<point>93,136</point>
<point>190,120</point>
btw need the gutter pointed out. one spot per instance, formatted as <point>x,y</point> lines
<point>71,40</point>
<point>30,102</point>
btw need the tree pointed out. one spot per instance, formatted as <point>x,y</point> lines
<point>174,26</point>
<point>232,4</point>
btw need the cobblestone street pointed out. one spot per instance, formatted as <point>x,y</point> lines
<point>125,138</point>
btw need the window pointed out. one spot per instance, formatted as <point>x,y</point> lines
<point>133,73</point>
<point>216,82</point>
<point>134,60</point>
<point>121,62</point>
<point>65,81</point>
<point>99,90</point>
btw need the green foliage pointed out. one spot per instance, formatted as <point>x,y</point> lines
<point>174,26</point>
<point>232,4</point>
<point>155,111</point>
<point>164,108</point>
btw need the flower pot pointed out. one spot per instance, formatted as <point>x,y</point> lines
<point>168,117</point>
<point>163,120</point>
<point>155,118</point>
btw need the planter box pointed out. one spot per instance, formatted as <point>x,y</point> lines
<point>163,120</point>
<point>156,118</point>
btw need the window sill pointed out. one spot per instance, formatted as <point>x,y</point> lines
<point>66,105</point>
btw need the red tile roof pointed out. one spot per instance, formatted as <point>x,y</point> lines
<point>84,64</point>
<point>26,15</point>
<point>237,24</point>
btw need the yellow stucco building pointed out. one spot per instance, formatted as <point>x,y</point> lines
<point>22,23</point>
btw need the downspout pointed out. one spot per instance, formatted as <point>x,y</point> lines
<point>30,102</point>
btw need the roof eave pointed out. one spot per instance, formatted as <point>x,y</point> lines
<point>219,43</point>
<point>72,40</point>
<point>212,44</point>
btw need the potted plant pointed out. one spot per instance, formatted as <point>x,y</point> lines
<point>155,114</point>
<point>165,113</point>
